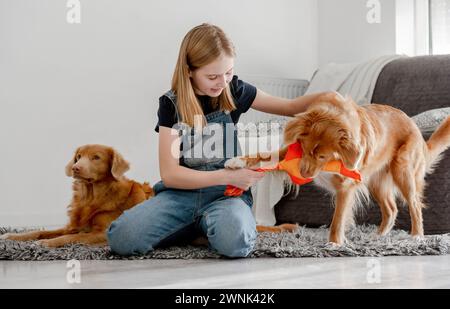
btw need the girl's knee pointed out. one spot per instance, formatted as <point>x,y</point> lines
<point>125,238</point>
<point>240,245</point>
<point>234,240</point>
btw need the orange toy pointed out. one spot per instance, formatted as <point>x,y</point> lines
<point>291,163</point>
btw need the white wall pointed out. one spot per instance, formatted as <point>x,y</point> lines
<point>64,85</point>
<point>346,36</point>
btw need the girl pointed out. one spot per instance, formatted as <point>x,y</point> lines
<point>189,199</point>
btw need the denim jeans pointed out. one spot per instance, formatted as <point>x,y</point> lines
<point>178,216</point>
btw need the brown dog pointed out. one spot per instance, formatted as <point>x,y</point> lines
<point>383,143</point>
<point>100,194</point>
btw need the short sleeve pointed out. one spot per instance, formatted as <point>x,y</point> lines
<point>167,115</point>
<point>244,94</point>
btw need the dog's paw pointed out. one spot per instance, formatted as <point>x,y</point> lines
<point>11,236</point>
<point>5,236</point>
<point>418,238</point>
<point>333,245</point>
<point>44,243</point>
<point>235,163</point>
<point>337,241</point>
<point>50,243</point>
<point>288,227</point>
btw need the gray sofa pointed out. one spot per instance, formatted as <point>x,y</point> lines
<point>413,85</point>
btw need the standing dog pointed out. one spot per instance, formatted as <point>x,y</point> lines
<point>100,194</point>
<point>382,142</point>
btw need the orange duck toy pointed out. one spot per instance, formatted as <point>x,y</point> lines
<point>290,164</point>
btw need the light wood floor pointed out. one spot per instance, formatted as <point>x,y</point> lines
<point>387,272</point>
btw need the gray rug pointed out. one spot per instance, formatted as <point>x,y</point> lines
<point>362,241</point>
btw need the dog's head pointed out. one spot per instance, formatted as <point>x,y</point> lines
<point>93,163</point>
<point>325,135</point>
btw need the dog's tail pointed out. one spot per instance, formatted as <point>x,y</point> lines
<point>148,190</point>
<point>438,143</point>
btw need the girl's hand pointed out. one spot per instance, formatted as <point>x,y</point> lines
<point>242,178</point>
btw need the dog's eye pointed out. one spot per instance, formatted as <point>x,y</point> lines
<point>77,157</point>
<point>95,157</point>
<point>321,157</point>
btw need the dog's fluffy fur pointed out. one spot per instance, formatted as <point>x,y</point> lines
<point>382,142</point>
<point>100,194</point>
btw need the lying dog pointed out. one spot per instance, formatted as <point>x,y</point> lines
<point>100,194</point>
<point>383,143</point>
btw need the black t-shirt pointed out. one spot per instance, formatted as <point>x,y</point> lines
<point>244,94</point>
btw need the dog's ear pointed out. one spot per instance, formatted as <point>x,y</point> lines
<point>349,150</point>
<point>71,163</point>
<point>297,128</point>
<point>118,166</point>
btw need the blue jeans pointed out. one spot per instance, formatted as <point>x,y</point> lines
<point>179,216</point>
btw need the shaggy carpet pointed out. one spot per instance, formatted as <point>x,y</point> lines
<point>306,242</point>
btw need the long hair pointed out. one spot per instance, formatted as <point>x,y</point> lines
<point>201,45</point>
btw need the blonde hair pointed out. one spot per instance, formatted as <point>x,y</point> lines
<point>201,45</point>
